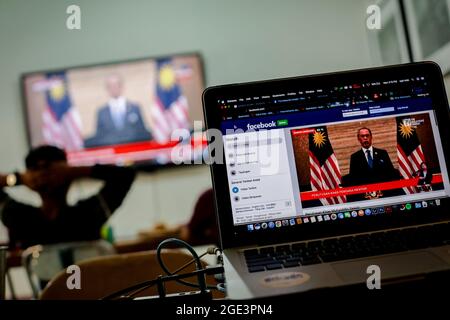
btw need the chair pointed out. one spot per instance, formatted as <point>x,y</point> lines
<point>147,240</point>
<point>43,262</point>
<point>105,275</point>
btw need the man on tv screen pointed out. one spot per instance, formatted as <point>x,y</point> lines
<point>370,165</point>
<point>119,121</point>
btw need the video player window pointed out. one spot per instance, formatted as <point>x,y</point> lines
<point>121,113</point>
<point>332,152</point>
<point>366,160</point>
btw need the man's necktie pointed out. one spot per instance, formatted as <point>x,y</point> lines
<point>369,159</point>
<point>118,119</point>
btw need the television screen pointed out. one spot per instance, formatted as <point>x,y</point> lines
<point>132,112</point>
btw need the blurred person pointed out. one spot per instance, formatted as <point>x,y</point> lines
<point>201,229</point>
<point>48,174</point>
<point>424,174</point>
<point>425,177</point>
<point>119,120</point>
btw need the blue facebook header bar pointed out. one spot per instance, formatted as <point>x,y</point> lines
<point>325,115</point>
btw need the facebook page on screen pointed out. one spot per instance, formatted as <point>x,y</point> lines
<point>322,154</point>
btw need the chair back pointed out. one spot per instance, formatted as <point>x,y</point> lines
<point>43,262</point>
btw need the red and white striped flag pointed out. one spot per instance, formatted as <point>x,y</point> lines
<point>409,151</point>
<point>324,167</point>
<point>171,109</point>
<point>61,122</point>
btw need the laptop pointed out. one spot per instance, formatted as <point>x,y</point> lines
<point>331,180</point>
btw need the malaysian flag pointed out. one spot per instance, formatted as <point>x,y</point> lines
<point>324,167</point>
<point>409,150</point>
<point>61,123</point>
<point>171,107</point>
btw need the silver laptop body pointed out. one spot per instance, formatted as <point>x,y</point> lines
<point>331,180</point>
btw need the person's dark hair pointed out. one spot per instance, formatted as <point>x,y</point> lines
<point>363,128</point>
<point>44,153</point>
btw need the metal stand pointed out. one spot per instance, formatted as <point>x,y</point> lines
<point>3,272</point>
<point>11,285</point>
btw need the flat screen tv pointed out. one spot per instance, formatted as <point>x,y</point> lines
<point>131,112</point>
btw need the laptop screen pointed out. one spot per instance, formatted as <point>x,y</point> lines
<point>324,153</point>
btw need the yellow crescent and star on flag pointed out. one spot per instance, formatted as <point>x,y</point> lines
<point>319,139</point>
<point>167,77</point>
<point>406,130</point>
<point>57,90</point>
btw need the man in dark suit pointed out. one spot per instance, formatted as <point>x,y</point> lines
<point>370,165</point>
<point>119,121</point>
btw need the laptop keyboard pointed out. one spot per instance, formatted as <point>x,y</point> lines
<point>348,247</point>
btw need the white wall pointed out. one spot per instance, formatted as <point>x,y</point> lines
<point>240,40</point>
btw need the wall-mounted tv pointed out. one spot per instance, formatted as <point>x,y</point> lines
<point>118,113</point>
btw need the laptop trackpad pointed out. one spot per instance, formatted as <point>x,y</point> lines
<point>402,264</point>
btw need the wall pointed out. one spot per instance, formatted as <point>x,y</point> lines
<point>447,85</point>
<point>239,40</point>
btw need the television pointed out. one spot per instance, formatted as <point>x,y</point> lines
<point>134,112</point>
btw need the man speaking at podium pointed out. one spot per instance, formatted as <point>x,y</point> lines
<point>119,121</point>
